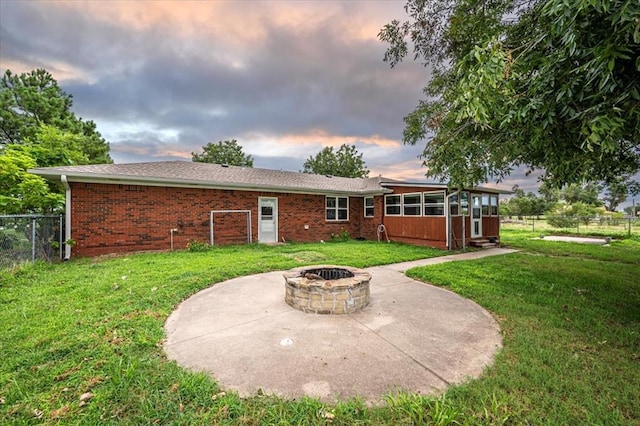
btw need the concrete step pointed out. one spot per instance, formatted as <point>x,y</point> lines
<point>484,243</point>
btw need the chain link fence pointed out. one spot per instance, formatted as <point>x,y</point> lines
<point>30,238</point>
<point>605,225</point>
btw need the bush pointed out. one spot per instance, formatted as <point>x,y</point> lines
<point>196,246</point>
<point>341,237</point>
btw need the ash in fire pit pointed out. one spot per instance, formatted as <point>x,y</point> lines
<point>327,289</point>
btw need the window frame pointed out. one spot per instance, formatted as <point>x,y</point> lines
<point>494,202</point>
<point>443,204</point>
<point>485,205</point>
<point>336,208</point>
<point>387,205</point>
<point>412,205</point>
<point>371,207</point>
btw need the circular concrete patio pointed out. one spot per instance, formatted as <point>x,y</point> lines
<point>413,337</point>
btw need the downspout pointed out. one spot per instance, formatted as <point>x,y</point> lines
<point>448,219</point>
<point>67,216</point>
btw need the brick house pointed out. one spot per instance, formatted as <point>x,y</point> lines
<point>162,205</point>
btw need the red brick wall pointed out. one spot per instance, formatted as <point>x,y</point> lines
<point>110,218</point>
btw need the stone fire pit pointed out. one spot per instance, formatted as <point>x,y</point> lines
<point>327,289</point>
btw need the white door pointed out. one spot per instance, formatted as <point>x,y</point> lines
<point>267,220</point>
<point>476,216</point>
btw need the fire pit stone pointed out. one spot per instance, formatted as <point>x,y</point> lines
<point>327,289</point>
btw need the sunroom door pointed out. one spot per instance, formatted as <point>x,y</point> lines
<point>476,216</point>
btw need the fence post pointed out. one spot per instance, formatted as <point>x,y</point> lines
<point>33,239</point>
<point>533,224</point>
<point>629,226</point>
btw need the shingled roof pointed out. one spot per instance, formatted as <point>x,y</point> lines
<point>184,173</point>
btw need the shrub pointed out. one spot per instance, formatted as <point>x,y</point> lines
<point>195,246</point>
<point>342,236</point>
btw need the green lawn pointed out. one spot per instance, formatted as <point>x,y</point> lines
<point>570,318</point>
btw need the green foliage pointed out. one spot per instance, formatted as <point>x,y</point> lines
<point>30,100</point>
<point>196,246</point>
<point>224,152</point>
<point>20,191</point>
<point>567,215</point>
<point>342,236</point>
<point>550,84</point>
<point>38,129</point>
<point>523,204</point>
<point>345,162</point>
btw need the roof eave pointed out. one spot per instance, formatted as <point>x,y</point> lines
<point>186,183</point>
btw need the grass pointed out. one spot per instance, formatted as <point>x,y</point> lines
<point>570,317</point>
<point>95,327</point>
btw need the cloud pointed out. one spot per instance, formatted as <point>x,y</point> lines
<point>161,79</point>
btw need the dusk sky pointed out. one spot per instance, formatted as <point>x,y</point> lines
<point>284,78</point>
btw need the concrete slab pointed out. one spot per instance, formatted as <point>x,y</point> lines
<point>413,336</point>
<point>580,240</point>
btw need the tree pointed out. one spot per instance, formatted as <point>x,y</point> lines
<point>345,162</point>
<point>550,84</point>
<point>522,204</point>
<point>615,192</point>
<point>22,192</point>
<point>223,152</point>
<point>30,100</point>
<point>586,193</point>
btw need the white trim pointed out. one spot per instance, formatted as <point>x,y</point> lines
<point>373,206</point>
<point>476,220</point>
<point>399,205</point>
<point>444,204</point>
<point>420,204</point>
<point>337,208</point>
<point>67,216</point>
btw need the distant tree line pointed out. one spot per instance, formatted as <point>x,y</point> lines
<point>571,201</point>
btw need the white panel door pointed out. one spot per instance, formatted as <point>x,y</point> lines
<point>476,216</point>
<point>267,220</point>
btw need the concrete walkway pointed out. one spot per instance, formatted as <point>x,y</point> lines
<point>412,336</point>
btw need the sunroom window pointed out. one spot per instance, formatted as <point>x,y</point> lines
<point>485,204</point>
<point>434,203</point>
<point>392,205</point>
<point>459,204</point>
<point>411,204</point>
<point>494,204</point>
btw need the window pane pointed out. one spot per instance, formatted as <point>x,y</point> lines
<point>485,210</point>
<point>454,209</point>
<point>266,211</point>
<point>434,211</point>
<point>331,214</point>
<point>368,201</point>
<point>343,202</point>
<point>412,210</point>
<point>368,212</point>
<point>342,214</point>
<point>393,210</point>
<point>392,199</point>
<point>434,198</point>
<point>331,202</point>
<point>412,198</point>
